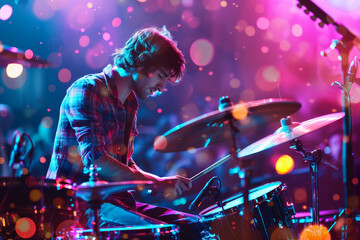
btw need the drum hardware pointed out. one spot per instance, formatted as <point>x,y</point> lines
<point>289,131</point>
<point>224,124</point>
<point>20,158</point>
<point>215,126</point>
<point>47,206</point>
<point>348,76</point>
<point>95,191</point>
<point>271,211</point>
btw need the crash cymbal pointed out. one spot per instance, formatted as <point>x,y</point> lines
<point>14,55</point>
<point>214,127</point>
<point>289,131</point>
<point>99,190</point>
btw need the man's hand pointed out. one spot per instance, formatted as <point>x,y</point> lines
<point>172,187</point>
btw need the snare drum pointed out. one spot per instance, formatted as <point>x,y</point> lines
<point>270,210</point>
<point>148,232</point>
<point>36,208</point>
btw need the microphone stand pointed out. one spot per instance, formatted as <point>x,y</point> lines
<point>343,46</point>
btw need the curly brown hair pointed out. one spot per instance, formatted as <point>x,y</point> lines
<point>149,48</point>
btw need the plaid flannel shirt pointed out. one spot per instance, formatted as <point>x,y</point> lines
<point>93,122</point>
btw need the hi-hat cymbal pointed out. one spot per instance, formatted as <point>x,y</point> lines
<point>99,190</point>
<point>14,55</point>
<point>214,127</point>
<point>289,131</point>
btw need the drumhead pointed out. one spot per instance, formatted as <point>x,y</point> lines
<point>238,199</point>
<point>130,228</point>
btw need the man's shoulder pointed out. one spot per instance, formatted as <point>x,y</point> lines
<point>89,81</point>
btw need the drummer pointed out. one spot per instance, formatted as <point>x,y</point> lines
<point>97,125</point>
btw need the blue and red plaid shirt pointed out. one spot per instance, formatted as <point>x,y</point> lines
<point>93,122</point>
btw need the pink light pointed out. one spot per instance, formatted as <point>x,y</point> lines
<point>262,23</point>
<point>264,49</point>
<point>106,36</point>
<point>84,41</point>
<point>130,9</point>
<point>5,12</point>
<point>116,22</point>
<point>29,54</point>
<point>202,52</point>
<point>64,75</point>
<point>297,30</point>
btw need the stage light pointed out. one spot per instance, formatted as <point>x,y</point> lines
<point>14,70</point>
<point>284,164</point>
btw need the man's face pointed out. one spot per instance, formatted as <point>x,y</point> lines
<point>145,85</point>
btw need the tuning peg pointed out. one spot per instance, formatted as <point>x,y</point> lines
<point>299,5</point>
<point>313,17</point>
<point>307,11</point>
<point>321,24</point>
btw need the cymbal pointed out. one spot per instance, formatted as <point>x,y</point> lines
<point>99,190</point>
<point>289,131</point>
<point>14,55</point>
<point>214,127</point>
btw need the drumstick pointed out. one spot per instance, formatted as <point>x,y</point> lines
<point>211,167</point>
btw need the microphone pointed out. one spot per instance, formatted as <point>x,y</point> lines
<point>205,192</point>
<point>351,75</point>
<point>16,153</point>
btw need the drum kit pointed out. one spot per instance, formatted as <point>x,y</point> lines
<point>37,208</point>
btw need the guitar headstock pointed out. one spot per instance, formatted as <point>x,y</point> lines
<point>316,11</point>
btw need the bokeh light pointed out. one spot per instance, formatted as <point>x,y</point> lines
<point>106,36</point>
<point>55,58</point>
<point>29,54</point>
<point>35,195</point>
<point>267,78</point>
<point>95,57</point>
<point>14,70</point>
<point>42,9</point>
<point>116,22</point>
<point>5,12</point>
<point>202,52</point>
<point>300,195</point>
<point>262,23</point>
<point>284,164</point>
<point>14,83</point>
<point>203,158</point>
<point>212,5</point>
<point>25,227</point>
<point>84,41</point>
<point>297,30</point>
<point>58,4</point>
<point>315,232</point>
<point>64,75</point>
<point>47,122</point>
<point>80,16</point>
<point>240,112</point>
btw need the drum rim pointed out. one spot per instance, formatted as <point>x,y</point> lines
<point>130,228</point>
<point>215,209</point>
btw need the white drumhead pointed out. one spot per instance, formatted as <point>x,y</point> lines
<point>238,199</point>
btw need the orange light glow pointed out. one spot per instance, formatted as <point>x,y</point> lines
<point>284,164</point>
<point>25,227</point>
<point>315,232</point>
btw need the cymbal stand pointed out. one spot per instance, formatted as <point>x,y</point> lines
<point>313,158</point>
<point>226,102</point>
<point>94,204</point>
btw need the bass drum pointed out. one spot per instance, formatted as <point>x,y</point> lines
<point>36,208</point>
<point>271,214</point>
<point>148,232</point>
